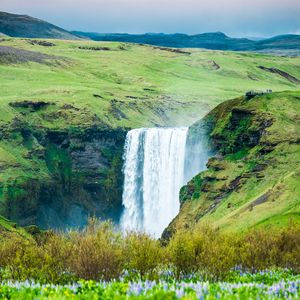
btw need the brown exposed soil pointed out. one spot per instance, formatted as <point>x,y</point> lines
<point>286,75</point>
<point>97,96</point>
<point>215,66</point>
<point>172,50</point>
<point>33,105</point>
<point>41,43</point>
<point>95,48</point>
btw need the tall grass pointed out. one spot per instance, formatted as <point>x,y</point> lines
<point>99,252</point>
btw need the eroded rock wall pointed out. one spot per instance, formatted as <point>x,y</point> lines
<point>64,176</point>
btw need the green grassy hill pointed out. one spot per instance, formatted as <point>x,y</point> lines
<point>65,107</point>
<point>131,85</point>
<point>28,27</point>
<point>254,178</point>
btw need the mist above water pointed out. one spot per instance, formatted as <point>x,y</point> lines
<point>196,154</point>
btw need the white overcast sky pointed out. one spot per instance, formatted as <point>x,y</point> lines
<point>234,17</point>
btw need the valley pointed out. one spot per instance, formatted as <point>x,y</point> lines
<point>66,107</point>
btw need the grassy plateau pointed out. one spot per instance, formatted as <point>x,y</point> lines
<point>130,85</point>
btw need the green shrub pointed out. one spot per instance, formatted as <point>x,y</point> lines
<point>264,248</point>
<point>205,251</point>
<point>182,253</point>
<point>100,253</point>
<point>218,253</point>
<point>142,254</point>
<point>96,252</point>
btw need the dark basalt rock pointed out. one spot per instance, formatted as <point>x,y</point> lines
<point>216,164</point>
<point>94,48</point>
<point>262,199</point>
<point>259,167</point>
<point>41,43</point>
<point>283,74</point>
<point>83,178</point>
<point>57,136</point>
<point>68,106</point>
<point>173,50</point>
<point>225,190</point>
<point>32,105</point>
<point>244,130</point>
<point>215,66</point>
<point>97,96</point>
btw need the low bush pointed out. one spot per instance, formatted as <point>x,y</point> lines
<point>100,253</point>
<point>96,252</point>
<point>142,255</point>
<point>205,251</point>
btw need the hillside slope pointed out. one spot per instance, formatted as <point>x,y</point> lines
<point>287,41</point>
<point>130,85</point>
<point>254,178</point>
<point>65,107</point>
<point>27,27</point>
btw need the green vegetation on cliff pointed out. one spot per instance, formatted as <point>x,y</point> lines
<point>65,107</point>
<point>254,178</point>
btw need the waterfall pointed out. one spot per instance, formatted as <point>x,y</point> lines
<point>153,175</point>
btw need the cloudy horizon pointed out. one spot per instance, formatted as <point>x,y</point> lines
<point>233,17</point>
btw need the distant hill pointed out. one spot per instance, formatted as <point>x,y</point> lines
<point>287,41</point>
<point>213,41</point>
<point>28,27</point>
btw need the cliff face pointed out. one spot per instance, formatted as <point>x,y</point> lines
<point>253,179</point>
<point>58,176</point>
<point>86,173</point>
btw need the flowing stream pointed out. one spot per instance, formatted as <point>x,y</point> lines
<point>153,175</point>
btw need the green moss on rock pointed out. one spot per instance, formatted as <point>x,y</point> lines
<point>254,177</point>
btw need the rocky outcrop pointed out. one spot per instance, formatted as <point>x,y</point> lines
<point>283,74</point>
<point>68,175</point>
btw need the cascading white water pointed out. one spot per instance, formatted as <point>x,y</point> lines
<point>153,176</point>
